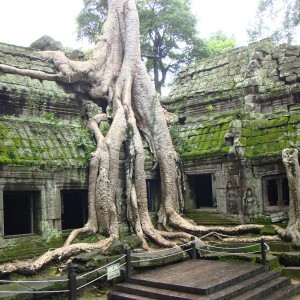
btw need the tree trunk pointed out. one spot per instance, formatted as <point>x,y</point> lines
<point>290,161</point>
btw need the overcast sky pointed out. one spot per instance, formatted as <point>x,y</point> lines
<point>24,21</point>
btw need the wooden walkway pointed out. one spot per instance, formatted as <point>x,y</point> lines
<point>206,279</point>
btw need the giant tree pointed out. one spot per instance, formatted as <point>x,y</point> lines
<point>291,163</point>
<point>279,19</point>
<point>168,34</point>
<point>116,74</point>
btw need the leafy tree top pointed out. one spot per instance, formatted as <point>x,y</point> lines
<point>168,33</point>
<point>278,19</point>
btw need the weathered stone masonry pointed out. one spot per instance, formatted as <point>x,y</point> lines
<point>44,150</point>
<point>238,111</point>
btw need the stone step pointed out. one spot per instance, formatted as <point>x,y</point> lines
<point>261,292</point>
<point>285,293</point>
<point>207,280</point>
<point>188,276</point>
<point>293,272</point>
<point>115,295</point>
<point>155,293</point>
<point>209,217</point>
<point>227,293</point>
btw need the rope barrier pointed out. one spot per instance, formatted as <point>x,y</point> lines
<point>159,257</point>
<point>237,248</point>
<point>92,281</point>
<point>235,253</point>
<point>33,281</point>
<point>100,268</point>
<point>33,292</point>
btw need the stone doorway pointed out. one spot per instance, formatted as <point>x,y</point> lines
<point>201,187</point>
<point>20,212</point>
<point>275,192</point>
<point>74,208</point>
<point>153,194</point>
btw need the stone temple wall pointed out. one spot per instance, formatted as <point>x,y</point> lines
<point>44,149</point>
<point>237,112</point>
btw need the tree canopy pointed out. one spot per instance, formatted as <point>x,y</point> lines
<point>278,19</point>
<point>219,43</point>
<point>168,34</point>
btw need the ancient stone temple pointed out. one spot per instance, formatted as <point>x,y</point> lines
<point>237,112</point>
<point>43,150</point>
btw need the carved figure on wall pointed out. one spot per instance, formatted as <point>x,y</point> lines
<point>250,203</point>
<point>231,197</point>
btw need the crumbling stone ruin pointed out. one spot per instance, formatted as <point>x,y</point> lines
<point>237,112</point>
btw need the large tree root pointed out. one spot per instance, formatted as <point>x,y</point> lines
<point>32,267</point>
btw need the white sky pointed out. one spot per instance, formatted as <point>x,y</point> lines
<point>24,21</point>
<point>229,16</point>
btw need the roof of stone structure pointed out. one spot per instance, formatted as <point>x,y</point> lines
<point>246,76</point>
<point>26,95</point>
<point>244,102</point>
<point>261,138</point>
<point>43,143</point>
<point>38,117</point>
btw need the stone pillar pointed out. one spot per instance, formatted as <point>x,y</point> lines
<point>53,209</point>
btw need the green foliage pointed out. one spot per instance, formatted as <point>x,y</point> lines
<point>268,230</point>
<point>278,19</point>
<point>220,43</point>
<point>91,18</point>
<point>168,33</point>
<point>262,219</point>
<point>179,140</point>
<point>51,117</point>
<point>210,108</point>
<point>104,127</point>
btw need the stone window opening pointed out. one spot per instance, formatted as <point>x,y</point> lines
<point>74,208</point>
<point>276,192</point>
<point>229,140</point>
<point>182,120</point>
<point>21,212</point>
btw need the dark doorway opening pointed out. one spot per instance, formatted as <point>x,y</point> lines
<point>74,208</point>
<point>153,194</point>
<point>276,192</point>
<point>20,208</point>
<point>272,192</point>
<point>201,187</point>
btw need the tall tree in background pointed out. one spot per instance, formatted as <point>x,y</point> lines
<point>168,34</point>
<point>278,19</point>
<point>219,43</point>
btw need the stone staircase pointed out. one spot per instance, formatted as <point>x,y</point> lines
<point>209,280</point>
<point>209,217</point>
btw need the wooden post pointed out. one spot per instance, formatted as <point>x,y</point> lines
<point>263,252</point>
<point>72,284</point>
<point>194,253</point>
<point>128,262</point>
